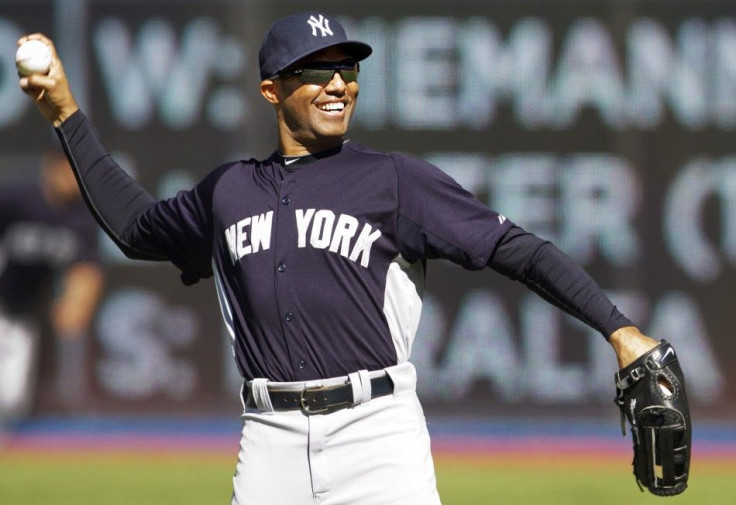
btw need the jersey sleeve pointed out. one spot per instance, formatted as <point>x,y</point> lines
<point>437,218</point>
<point>177,229</point>
<point>181,229</point>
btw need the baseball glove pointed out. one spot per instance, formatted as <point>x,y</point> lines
<point>651,395</point>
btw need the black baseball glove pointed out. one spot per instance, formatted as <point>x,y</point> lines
<point>651,395</point>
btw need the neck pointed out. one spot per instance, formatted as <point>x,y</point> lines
<point>291,147</point>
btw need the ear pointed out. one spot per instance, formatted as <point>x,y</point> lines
<point>269,91</point>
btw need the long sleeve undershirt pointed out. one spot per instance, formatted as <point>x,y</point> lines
<point>113,197</point>
<point>554,276</point>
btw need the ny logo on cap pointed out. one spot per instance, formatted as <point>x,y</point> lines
<point>322,24</point>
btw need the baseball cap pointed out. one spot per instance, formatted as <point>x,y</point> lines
<point>294,37</point>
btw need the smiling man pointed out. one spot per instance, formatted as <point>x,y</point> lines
<point>319,255</point>
<point>313,109</point>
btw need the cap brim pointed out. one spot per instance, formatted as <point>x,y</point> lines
<point>357,50</point>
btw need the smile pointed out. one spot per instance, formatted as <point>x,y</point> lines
<point>334,107</point>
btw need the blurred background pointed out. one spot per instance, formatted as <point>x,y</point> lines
<point>604,126</point>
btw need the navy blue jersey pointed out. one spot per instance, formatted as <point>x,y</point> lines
<point>319,264</point>
<point>37,241</point>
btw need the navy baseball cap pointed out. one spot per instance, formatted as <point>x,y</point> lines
<point>294,37</point>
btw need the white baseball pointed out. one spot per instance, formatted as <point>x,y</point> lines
<point>33,57</point>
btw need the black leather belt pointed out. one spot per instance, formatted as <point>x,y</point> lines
<point>320,399</point>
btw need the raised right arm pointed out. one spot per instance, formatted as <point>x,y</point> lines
<point>114,198</point>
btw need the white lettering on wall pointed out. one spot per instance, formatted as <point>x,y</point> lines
<point>155,71</point>
<point>697,182</point>
<point>525,362</point>
<point>585,203</point>
<point>139,336</point>
<point>12,101</point>
<point>446,73</point>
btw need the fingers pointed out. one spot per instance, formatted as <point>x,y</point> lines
<point>37,36</point>
<point>35,86</point>
<point>37,81</point>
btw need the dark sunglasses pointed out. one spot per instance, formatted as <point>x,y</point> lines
<point>322,73</point>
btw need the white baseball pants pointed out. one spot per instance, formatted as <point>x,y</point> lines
<point>375,453</point>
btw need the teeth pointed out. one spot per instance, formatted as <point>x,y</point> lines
<point>332,106</point>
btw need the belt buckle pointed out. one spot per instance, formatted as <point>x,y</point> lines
<point>305,406</point>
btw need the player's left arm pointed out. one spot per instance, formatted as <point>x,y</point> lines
<point>437,218</point>
<point>81,289</point>
<point>553,275</point>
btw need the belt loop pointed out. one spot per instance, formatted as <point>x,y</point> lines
<point>259,390</point>
<point>404,377</point>
<point>243,398</point>
<point>360,381</point>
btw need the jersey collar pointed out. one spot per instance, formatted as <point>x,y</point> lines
<point>292,162</point>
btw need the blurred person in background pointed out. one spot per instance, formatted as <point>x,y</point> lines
<point>49,278</point>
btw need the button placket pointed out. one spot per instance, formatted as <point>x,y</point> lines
<point>285,294</point>
<point>283,245</point>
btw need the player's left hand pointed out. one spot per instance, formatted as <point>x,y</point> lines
<point>50,92</point>
<point>629,343</point>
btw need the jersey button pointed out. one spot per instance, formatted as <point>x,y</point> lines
<point>286,200</point>
<point>282,268</point>
<point>289,316</point>
<point>302,364</point>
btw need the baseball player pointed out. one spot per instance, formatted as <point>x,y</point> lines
<point>318,254</point>
<point>49,277</point>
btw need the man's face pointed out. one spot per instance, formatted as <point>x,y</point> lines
<point>315,116</point>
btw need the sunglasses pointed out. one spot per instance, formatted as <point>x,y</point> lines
<point>322,73</point>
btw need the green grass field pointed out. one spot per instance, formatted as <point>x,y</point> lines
<point>189,479</point>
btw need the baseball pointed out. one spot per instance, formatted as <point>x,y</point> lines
<point>33,57</point>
